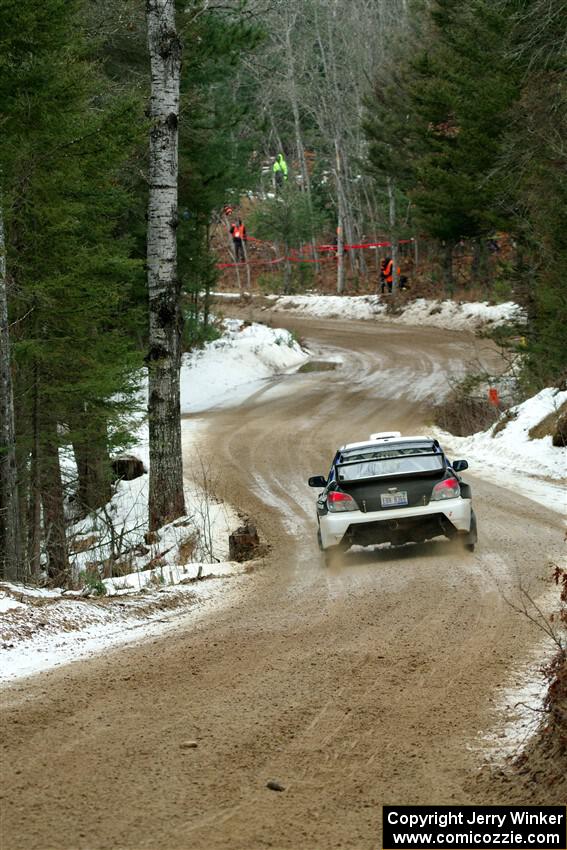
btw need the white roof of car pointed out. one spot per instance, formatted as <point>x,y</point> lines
<point>389,437</point>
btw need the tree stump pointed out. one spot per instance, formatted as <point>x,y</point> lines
<point>243,543</point>
<point>127,468</point>
<point>559,438</point>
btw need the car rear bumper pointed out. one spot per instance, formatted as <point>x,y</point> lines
<point>396,524</point>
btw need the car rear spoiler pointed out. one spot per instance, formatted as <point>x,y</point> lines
<point>404,474</point>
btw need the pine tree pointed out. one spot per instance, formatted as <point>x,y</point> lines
<point>463,90</point>
<point>10,540</point>
<point>65,141</point>
<point>288,220</point>
<point>535,182</point>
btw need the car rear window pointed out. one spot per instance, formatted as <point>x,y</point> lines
<point>407,459</point>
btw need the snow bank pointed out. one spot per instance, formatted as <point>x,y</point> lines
<point>8,603</point>
<point>233,367</point>
<point>458,315</point>
<point>441,314</point>
<point>535,467</point>
<point>163,577</point>
<point>330,306</point>
<point>118,531</point>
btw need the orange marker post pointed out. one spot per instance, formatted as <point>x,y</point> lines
<point>493,397</point>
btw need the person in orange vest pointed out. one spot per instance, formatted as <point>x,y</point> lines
<point>387,274</point>
<point>238,233</point>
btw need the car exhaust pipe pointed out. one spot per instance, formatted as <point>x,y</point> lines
<point>393,524</point>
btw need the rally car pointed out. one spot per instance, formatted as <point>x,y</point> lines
<point>393,489</point>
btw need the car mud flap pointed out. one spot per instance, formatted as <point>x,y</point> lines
<point>447,528</point>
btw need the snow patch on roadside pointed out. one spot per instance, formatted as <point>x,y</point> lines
<point>330,306</point>
<point>535,468</point>
<point>8,603</point>
<point>46,636</point>
<point>232,368</point>
<point>41,628</point>
<point>519,706</point>
<point>441,314</point>
<point>519,703</point>
<point>455,315</point>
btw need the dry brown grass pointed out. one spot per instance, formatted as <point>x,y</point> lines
<point>186,549</point>
<point>554,425</point>
<point>82,544</point>
<point>508,417</point>
<point>463,415</point>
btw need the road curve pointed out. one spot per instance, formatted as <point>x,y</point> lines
<point>357,687</point>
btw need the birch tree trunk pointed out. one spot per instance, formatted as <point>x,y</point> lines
<point>166,498</point>
<point>10,544</point>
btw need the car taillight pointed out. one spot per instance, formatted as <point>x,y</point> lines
<point>447,489</point>
<point>340,502</point>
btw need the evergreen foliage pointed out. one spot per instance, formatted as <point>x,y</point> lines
<point>289,219</point>
<point>534,165</point>
<point>471,126</point>
<point>70,262</point>
<point>215,154</point>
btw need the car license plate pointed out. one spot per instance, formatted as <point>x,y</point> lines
<point>391,500</point>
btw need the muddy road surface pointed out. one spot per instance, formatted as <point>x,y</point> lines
<point>365,685</point>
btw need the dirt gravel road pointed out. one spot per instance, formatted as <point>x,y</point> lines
<point>353,688</point>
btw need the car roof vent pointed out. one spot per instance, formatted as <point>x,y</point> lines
<point>386,435</point>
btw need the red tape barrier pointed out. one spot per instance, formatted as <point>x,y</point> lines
<point>274,262</point>
<point>296,258</point>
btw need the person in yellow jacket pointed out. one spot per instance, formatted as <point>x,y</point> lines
<point>280,170</point>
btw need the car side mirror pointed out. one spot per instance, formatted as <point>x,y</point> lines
<point>460,465</point>
<point>317,481</point>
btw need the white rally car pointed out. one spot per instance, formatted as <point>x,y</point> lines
<point>393,489</point>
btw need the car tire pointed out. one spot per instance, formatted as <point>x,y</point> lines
<point>319,541</point>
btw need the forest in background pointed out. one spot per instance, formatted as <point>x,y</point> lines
<point>440,121</point>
